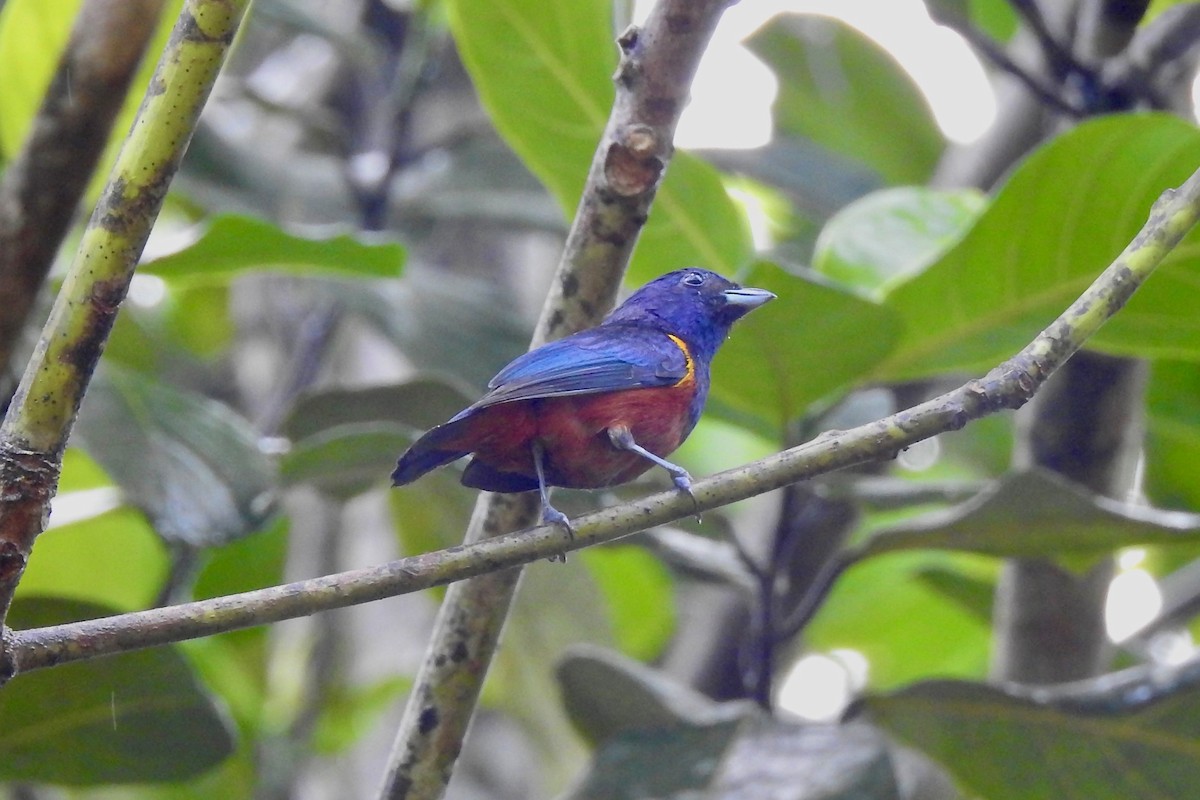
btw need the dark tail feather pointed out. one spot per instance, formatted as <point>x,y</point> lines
<point>435,449</point>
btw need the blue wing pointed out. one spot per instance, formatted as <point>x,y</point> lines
<point>604,359</point>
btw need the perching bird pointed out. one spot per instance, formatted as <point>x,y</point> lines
<point>601,406</point>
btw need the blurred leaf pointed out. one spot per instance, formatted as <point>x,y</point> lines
<point>197,316</point>
<point>347,460</point>
<point>113,559</point>
<point>348,440</point>
<point>1130,734</point>
<point>1173,434</point>
<point>33,34</point>
<point>135,717</point>
<point>639,596</point>
<point>747,758</point>
<point>190,463</point>
<point>418,404</point>
<point>234,664</point>
<point>1040,244</point>
<point>1037,513</point>
<point>352,711</point>
<point>232,244</point>
<point>458,327</point>
<point>997,20</point>
<point>804,346</point>
<point>843,91</point>
<point>891,234</point>
<point>80,473</point>
<point>606,694</point>
<point>902,625</point>
<point>545,80</point>
<point>970,593</point>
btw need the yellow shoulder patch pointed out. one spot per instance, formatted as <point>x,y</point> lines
<point>689,376</point>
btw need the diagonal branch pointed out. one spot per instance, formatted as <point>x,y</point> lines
<point>45,181</point>
<point>1009,385</point>
<point>35,430</point>
<point>653,80</point>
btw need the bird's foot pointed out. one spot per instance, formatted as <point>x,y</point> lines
<point>552,516</point>
<point>683,482</point>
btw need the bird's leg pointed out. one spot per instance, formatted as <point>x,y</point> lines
<point>622,439</point>
<point>550,514</point>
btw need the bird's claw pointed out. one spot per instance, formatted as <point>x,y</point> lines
<point>683,482</point>
<point>552,516</point>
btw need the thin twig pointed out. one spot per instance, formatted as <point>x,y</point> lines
<point>1009,385</point>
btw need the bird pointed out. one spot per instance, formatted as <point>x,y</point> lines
<point>599,407</point>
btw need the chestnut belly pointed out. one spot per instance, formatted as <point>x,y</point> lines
<point>573,433</point>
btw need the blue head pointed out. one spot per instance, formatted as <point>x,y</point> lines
<point>694,304</point>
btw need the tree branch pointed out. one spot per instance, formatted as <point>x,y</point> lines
<point>1009,385</point>
<point>35,430</point>
<point>43,184</point>
<point>653,80</point>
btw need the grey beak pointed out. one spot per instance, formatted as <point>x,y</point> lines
<point>747,298</point>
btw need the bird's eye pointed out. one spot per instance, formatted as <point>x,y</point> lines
<point>693,279</point>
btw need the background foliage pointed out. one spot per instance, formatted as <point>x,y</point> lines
<point>299,319</point>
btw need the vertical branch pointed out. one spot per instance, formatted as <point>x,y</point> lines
<point>44,182</point>
<point>657,65</point>
<point>35,430</point>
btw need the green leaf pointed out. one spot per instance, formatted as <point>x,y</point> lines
<point>748,757</point>
<point>1173,434</point>
<point>352,712</point>
<point>889,235</point>
<point>846,93</point>
<point>639,594</point>
<point>1036,513</point>
<point>812,341</point>
<point>348,459</point>
<point>1132,734</point>
<point>235,664</point>
<point>348,440</point>
<point>33,34</point>
<point>606,694</point>
<point>232,244</point>
<point>997,20</point>
<point>545,79</point>
<point>190,463</point>
<point>417,404</point>
<point>135,717</point>
<point>197,316</point>
<point>901,624</point>
<point>114,559</point>
<point>1062,217</point>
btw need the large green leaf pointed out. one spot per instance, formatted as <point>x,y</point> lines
<point>348,440</point>
<point>192,464</point>
<point>810,342</point>
<point>846,93</point>
<point>136,717</point>
<point>750,757</point>
<point>33,34</point>
<point>888,611</point>
<point>544,75</point>
<point>231,244</point>
<point>1173,434</point>
<point>1133,734</point>
<point>114,559</point>
<point>1062,217</point>
<point>1039,514</point>
<point>889,235</point>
